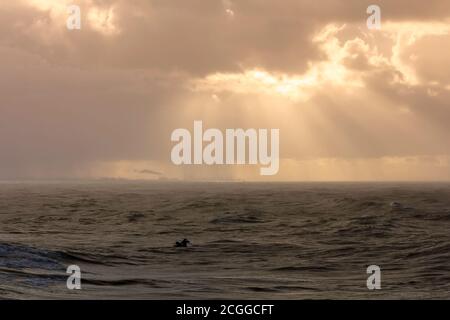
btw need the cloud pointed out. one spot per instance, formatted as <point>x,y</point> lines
<point>150,172</point>
<point>102,101</point>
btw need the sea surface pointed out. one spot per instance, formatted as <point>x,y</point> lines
<point>249,240</point>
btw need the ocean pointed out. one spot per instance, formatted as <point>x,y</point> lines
<point>248,240</point>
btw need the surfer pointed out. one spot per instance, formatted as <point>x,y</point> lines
<point>184,243</point>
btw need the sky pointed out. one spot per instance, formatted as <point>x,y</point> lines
<point>351,103</point>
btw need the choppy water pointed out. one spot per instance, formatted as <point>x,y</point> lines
<point>269,241</point>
